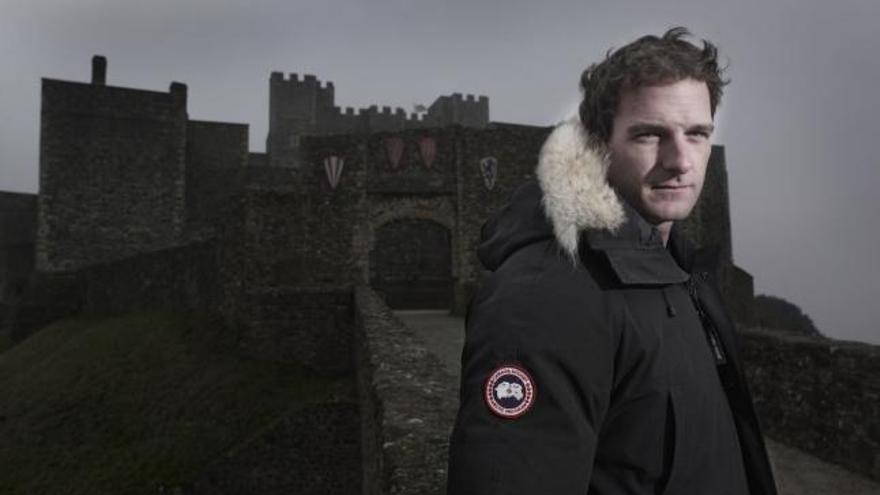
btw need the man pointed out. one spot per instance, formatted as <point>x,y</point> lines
<point>598,356</point>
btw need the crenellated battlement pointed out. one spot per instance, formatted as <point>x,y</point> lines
<point>307,80</point>
<point>352,115</point>
<point>303,105</point>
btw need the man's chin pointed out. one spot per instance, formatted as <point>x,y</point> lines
<point>668,213</point>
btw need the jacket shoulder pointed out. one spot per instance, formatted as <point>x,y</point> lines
<point>540,292</point>
<point>543,267</point>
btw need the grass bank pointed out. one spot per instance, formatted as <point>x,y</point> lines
<point>133,403</point>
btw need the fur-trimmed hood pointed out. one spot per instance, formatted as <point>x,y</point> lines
<point>571,195</point>
<point>572,172</point>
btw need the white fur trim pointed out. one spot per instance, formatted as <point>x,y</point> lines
<point>572,173</point>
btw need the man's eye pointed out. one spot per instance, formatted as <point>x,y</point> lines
<point>647,136</point>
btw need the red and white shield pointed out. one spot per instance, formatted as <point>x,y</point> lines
<point>428,150</point>
<point>394,149</point>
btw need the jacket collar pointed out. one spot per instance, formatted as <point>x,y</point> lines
<point>585,211</point>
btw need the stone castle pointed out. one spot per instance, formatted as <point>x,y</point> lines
<point>303,249</point>
<point>375,197</point>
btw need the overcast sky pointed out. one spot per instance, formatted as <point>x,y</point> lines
<point>799,121</point>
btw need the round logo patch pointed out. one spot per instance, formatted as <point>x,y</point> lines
<point>509,391</point>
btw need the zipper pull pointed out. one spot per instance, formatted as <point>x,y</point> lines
<point>720,359</point>
<point>708,327</point>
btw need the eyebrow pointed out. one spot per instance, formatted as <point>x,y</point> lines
<point>659,129</point>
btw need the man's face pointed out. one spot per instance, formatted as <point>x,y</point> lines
<point>660,145</point>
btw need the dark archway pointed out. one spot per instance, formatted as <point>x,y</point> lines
<point>410,264</point>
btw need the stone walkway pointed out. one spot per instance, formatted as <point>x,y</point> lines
<point>797,473</point>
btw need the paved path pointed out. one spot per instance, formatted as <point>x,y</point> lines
<point>797,473</point>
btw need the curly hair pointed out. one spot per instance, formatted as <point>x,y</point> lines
<point>646,61</point>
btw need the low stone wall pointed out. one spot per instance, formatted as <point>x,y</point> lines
<point>819,395</point>
<point>407,404</point>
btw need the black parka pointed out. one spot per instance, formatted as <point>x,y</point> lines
<point>637,383</point>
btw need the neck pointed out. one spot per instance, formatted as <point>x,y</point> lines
<point>664,228</point>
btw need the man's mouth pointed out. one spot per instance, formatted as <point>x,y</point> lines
<point>669,187</point>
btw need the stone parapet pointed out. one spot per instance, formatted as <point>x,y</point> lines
<point>819,395</point>
<point>407,404</point>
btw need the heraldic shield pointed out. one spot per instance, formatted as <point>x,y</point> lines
<point>428,150</point>
<point>333,168</point>
<point>489,169</point>
<point>394,150</point>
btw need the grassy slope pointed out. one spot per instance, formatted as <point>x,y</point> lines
<point>127,404</point>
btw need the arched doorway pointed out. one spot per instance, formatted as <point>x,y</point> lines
<point>410,264</point>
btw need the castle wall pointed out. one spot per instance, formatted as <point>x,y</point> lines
<point>258,160</point>
<point>216,157</point>
<point>180,278</point>
<point>213,145</point>
<point>434,174</point>
<point>18,225</point>
<point>111,172</point>
<point>299,230</point>
<point>515,149</point>
<point>819,395</point>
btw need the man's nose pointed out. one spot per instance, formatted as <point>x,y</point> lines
<point>676,155</point>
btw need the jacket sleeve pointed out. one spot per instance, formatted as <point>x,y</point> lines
<point>560,335</point>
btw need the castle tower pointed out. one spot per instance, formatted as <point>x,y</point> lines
<point>112,171</point>
<point>296,108</point>
<point>469,111</point>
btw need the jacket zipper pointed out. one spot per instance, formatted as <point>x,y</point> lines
<point>708,326</point>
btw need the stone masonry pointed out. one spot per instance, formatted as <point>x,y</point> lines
<point>18,221</point>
